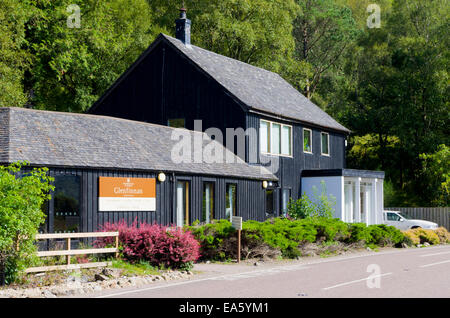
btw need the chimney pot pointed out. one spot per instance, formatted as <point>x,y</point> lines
<point>183,28</point>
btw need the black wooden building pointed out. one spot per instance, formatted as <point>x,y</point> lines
<point>80,149</point>
<point>175,83</point>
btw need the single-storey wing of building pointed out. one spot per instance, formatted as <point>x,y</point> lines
<point>107,169</point>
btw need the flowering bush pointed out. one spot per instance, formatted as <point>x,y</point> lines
<point>421,236</point>
<point>159,245</point>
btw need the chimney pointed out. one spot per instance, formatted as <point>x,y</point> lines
<point>183,29</point>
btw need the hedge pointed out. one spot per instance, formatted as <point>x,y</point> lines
<point>217,239</point>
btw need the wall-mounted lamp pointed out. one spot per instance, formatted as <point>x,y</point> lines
<point>264,184</point>
<point>161,177</point>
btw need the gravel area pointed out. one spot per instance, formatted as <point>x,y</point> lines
<point>80,283</point>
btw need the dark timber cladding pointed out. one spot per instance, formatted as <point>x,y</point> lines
<point>163,85</point>
<point>88,147</point>
<point>174,80</point>
<point>171,80</point>
<point>250,198</point>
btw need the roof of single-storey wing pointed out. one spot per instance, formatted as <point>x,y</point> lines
<point>47,138</point>
<point>256,88</point>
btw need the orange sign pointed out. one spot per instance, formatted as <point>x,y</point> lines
<point>127,194</point>
<point>127,187</point>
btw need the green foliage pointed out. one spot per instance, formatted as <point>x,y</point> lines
<point>396,91</point>
<point>383,235</point>
<point>286,236</point>
<point>330,229</point>
<point>140,268</point>
<point>359,232</point>
<point>436,171</point>
<point>258,32</point>
<point>212,237</point>
<point>323,31</point>
<point>320,207</point>
<point>74,66</point>
<point>22,193</point>
<point>14,58</point>
<point>282,234</point>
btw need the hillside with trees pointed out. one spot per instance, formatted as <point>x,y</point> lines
<point>388,84</point>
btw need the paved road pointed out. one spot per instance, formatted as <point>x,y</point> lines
<point>423,272</point>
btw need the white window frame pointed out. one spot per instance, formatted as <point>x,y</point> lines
<point>270,144</point>
<point>328,142</point>
<point>303,140</point>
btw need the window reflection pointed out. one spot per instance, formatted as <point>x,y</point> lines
<point>67,204</point>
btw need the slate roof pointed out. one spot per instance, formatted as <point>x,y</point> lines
<point>47,138</point>
<point>257,88</point>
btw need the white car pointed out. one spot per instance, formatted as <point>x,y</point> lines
<point>403,222</point>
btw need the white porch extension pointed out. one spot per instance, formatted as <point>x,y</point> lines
<point>358,193</point>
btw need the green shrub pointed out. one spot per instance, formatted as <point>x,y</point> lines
<point>329,229</point>
<point>285,236</point>
<point>282,234</point>
<point>359,233</point>
<point>301,208</point>
<point>383,235</point>
<point>212,238</point>
<point>22,194</point>
<point>320,207</point>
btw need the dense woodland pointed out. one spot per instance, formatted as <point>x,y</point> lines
<point>389,85</point>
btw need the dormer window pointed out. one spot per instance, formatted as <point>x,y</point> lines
<point>307,140</point>
<point>275,138</point>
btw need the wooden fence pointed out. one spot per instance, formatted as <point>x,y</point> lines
<point>68,252</point>
<point>441,216</point>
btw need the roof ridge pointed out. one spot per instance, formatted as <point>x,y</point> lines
<point>297,99</point>
<point>98,116</point>
<point>221,55</point>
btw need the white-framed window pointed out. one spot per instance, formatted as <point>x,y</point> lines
<point>325,144</point>
<point>307,140</point>
<point>275,138</point>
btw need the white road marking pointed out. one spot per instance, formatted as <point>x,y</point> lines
<point>356,281</point>
<point>438,263</point>
<point>303,265</point>
<point>270,271</point>
<point>233,276</point>
<point>434,254</point>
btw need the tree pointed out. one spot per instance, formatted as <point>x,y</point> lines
<point>14,58</point>
<point>258,32</point>
<point>436,172</point>
<point>397,88</point>
<point>323,31</point>
<point>22,193</point>
<point>74,66</point>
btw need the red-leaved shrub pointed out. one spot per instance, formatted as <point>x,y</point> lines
<point>159,245</point>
